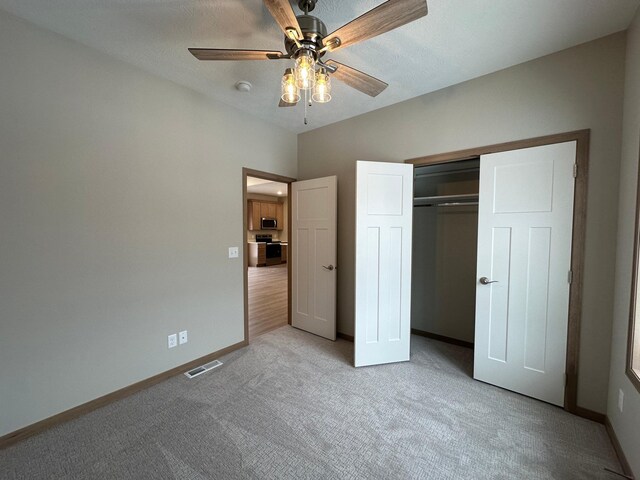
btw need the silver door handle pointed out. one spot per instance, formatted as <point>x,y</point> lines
<point>330,267</point>
<point>486,281</point>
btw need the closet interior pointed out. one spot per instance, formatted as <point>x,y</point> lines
<point>445,232</point>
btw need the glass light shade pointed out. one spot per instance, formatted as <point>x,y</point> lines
<point>322,88</point>
<point>290,92</point>
<point>305,70</point>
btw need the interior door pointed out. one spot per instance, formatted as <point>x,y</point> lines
<point>384,217</point>
<point>313,255</point>
<point>525,217</point>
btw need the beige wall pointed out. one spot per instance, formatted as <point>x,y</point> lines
<point>120,194</point>
<point>574,89</point>
<point>626,424</point>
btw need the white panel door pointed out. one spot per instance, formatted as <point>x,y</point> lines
<point>384,216</point>
<point>525,220</point>
<point>313,255</point>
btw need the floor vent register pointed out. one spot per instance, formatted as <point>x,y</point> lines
<point>203,368</point>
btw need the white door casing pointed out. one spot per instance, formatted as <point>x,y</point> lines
<point>384,217</point>
<point>313,255</point>
<point>525,218</point>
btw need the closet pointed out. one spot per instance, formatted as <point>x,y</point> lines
<point>496,243</point>
<point>445,232</point>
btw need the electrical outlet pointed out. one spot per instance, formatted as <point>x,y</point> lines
<point>172,340</point>
<point>233,252</point>
<point>620,400</point>
<point>182,337</point>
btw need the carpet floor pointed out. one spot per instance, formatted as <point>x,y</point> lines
<point>291,405</point>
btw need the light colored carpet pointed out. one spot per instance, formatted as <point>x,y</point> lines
<point>291,406</point>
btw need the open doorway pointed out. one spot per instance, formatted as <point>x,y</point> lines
<point>267,264</point>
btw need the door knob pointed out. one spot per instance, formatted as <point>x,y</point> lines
<point>330,267</point>
<point>486,281</point>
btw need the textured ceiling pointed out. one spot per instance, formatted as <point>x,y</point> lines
<point>457,41</point>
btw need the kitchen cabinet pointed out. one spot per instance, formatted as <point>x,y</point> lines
<point>257,254</point>
<point>253,215</point>
<point>268,210</point>
<point>257,210</point>
<point>280,215</point>
<point>285,250</point>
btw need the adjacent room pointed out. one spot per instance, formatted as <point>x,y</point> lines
<point>319,239</point>
<point>267,273</point>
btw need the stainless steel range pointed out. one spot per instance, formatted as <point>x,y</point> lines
<point>273,249</point>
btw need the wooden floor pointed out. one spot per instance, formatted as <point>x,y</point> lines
<point>267,298</point>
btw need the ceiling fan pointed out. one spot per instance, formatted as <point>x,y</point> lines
<point>306,41</point>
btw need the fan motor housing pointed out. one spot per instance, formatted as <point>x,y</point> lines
<point>313,29</point>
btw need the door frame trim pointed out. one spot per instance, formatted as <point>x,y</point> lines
<point>248,172</point>
<point>582,139</point>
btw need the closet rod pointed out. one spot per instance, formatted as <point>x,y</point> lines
<point>445,199</point>
<point>448,204</point>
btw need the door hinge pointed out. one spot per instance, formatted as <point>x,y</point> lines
<point>575,170</point>
<point>570,277</point>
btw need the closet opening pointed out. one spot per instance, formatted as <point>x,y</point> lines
<point>532,203</point>
<point>445,235</point>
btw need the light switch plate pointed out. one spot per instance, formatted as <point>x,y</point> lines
<point>233,252</point>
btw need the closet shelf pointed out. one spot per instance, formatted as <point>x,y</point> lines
<point>446,200</point>
<point>449,171</point>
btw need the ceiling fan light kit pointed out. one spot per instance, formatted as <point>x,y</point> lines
<point>305,69</point>
<point>322,88</point>
<point>290,90</point>
<point>306,42</point>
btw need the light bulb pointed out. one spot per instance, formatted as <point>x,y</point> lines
<point>290,93</point>
<point>322,88</point>
<point>305,69</point>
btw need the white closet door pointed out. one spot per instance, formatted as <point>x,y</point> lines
<point>313,256</point>
<point>384,211</point>
<point>524,245</point>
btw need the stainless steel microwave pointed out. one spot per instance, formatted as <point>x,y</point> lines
<point>268,224</point>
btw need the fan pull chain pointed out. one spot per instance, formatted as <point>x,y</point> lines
<point>306,102</point>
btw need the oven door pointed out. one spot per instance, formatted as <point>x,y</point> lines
<point>274,254</point>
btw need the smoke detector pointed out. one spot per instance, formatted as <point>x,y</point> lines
<point>243,86</point>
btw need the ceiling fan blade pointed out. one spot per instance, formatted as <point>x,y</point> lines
<point>391,14</point>
<point>284,15</point>
<point>357,79</point>
<point>230,54</point>
<point>285,104</point>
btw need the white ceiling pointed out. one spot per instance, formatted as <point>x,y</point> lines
<point>266,187</point>
<point>457,41</point>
